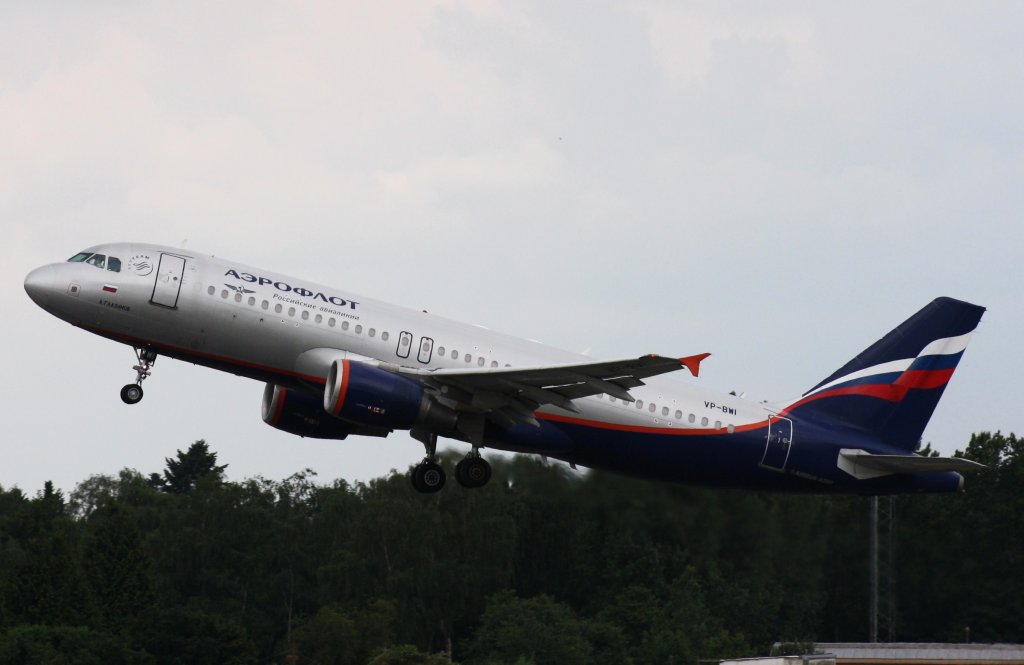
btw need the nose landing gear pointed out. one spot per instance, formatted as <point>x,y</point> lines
<point>132,393</point>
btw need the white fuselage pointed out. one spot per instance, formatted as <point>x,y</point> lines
<point>259,323</point>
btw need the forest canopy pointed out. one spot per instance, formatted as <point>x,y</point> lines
<point>543,565</point>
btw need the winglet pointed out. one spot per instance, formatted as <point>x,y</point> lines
<point>692,363</point>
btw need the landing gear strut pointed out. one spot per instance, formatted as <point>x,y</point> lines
<point>132,393</point>
<point>428,476</point>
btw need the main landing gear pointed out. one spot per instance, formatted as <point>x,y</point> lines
<point>428,476</point>
<point>132,393</point>
<point>473,470</point>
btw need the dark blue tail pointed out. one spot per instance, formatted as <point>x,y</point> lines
<point>890,390</point>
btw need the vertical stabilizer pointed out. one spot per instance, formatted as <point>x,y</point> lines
<point>891,389</point>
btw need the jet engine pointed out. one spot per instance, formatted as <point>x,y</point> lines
<point>298,413</point>
<point>367,395</point>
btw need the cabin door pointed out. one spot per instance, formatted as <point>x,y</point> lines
<point>780,438</point>
<point>426,349</point>
<point>168,281</point>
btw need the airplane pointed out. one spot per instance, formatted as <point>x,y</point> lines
<point>337,364</point>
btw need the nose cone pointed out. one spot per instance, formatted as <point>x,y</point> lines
<point>39,285</point>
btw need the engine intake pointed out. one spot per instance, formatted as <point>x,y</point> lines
<point>298,413</point>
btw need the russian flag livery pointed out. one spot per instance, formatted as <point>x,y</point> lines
<point>890,390</point>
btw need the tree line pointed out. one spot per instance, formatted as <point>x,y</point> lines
<point>542,565</point>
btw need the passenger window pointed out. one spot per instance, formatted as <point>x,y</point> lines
<point>113,264</point>
<point>384,336</point>
<point>718,424</point>
<point>372,332</point>
<point>455,354</point>
<point>359,330</point>
<point>704,422</point>
<point>344,325</point>
<point>277,308</point>
<point>265,304</point>
<point>469,357</point>
<point>664,410</point>
<point>692,418</point>
<point>238,297</point>
<point>639,404</point>
<point>652,407</point>
<point>291,311</point>
<point>730,429</point>
<point>252,301</point>
<point>224,293</point>
<point>211,290</point>
<point>480,361</point>
<point>319,318</point>
<point>330,322</point>
<point>494,363</point>
<point>305,315</point>
<point>440,350</point>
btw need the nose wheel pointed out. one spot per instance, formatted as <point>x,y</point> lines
<point>132,393</point>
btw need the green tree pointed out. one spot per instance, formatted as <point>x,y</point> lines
<point>47,583</point>
<point>335,636</point>
<point>540,629</point>
<point>184,472</point>
<point>406,654</point>
<point>65,645</point>
<point>185,636</point>
<point>116,564</point>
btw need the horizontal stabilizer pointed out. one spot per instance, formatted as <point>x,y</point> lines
<point>862,464</point>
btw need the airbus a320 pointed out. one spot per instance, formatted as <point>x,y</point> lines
<point>337,364</point>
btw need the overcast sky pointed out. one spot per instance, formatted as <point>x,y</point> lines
<point>777,183</point>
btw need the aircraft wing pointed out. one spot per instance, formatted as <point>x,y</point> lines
<point>507,395</point>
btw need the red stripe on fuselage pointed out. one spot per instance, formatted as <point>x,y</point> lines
<point>646,429</point>
<point>887,391</point>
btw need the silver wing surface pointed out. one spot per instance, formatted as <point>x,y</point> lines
<point>507,396</point>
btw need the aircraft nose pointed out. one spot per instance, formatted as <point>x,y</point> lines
<point>39,285</point>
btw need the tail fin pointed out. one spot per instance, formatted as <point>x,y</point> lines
<point>890,390</point>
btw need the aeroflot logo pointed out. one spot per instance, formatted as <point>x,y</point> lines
<point>299,291</point>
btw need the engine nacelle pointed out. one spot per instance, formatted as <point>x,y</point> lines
<point>366,395</point>
<point>296,412</point>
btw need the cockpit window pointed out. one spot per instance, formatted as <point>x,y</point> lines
<point>99,260</point>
